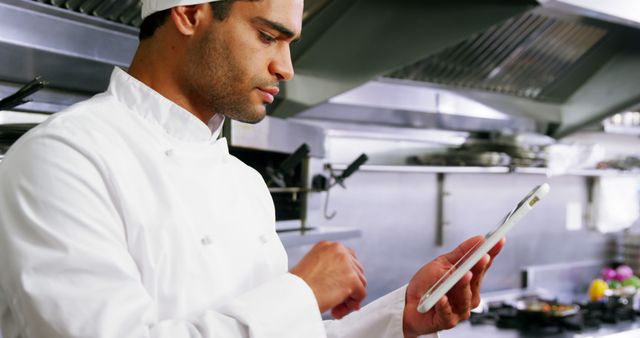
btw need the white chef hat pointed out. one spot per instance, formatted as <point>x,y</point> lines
<point>151,6</point>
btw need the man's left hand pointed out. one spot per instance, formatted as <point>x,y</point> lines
<point>457,304</point>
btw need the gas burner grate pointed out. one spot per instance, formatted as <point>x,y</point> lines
<point>591,315</point>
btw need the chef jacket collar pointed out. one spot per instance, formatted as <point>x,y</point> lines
<point>151,105</point>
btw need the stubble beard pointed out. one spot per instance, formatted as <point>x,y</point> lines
<point>215,79</point>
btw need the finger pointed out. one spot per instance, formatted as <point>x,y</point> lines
<point>479,270</point>
<point>462,249</point>
<point>484,264</point>
<point>357,264</point>
<point>492,255</point>
<point>497,248</point>
<point>346,307</point>
<point>355,260</point>
<point>340,311</point>
<point>481,266</point>
<point>352,252</point>
<point>478,276</point>
<point>360,272</point>
<point>460,296</point>
<point>363,279</point>
<point>445,315</point>
<point>359,291</point>
<point>352,304</point>
<point>455,292</point>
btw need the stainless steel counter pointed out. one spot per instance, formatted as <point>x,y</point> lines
<point>620,330</point>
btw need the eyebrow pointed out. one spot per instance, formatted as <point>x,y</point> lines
<point>276,26</point>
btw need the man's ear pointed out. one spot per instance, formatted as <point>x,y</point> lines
<point>187,18</point>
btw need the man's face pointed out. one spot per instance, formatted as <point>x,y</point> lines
<point>234,67</point>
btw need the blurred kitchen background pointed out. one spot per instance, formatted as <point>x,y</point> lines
<point>459,107</point>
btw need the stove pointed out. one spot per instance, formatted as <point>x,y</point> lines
<point>588,315</point>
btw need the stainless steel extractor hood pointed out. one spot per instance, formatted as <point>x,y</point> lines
<point>561,65</point>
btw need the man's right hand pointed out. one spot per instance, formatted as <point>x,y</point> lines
<point>336,277</point>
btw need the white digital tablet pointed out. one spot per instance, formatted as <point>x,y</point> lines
<point>464,264</point>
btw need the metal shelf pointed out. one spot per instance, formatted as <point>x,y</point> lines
<point>297,238</point>
<point>483,170</point>
<point>603,172</point>
<point>622,130</point>
<point>531,171</point>
<point>290,190</point>
<point>581,172</point>
<point>425,169</point>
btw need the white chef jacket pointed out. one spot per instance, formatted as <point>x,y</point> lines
<point>125,216</point>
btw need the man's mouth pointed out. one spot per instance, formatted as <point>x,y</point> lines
<point>268,93</point>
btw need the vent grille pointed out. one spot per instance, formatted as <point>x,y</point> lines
<point>521,57</point>
<point>123,11</point>
<point>128,11</point>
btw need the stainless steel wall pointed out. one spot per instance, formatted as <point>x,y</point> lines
<point>396,212</point>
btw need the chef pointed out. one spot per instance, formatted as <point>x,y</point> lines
<point>125,215</point>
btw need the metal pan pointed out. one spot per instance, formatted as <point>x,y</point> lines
<point>536,307</point>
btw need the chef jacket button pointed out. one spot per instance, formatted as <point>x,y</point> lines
<point>206,240</point>
<point>264,239</point>
<point>169,152</point>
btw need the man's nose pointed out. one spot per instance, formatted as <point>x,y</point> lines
<point>282,66</point>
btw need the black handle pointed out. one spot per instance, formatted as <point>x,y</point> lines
<point>294,159</point>
<point>354,166</point>
<point>18,97</point>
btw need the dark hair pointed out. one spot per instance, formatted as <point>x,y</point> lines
<point>151,23</point>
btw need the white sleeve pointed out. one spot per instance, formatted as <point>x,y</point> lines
<point>67,272</point>
<point>381,318</point>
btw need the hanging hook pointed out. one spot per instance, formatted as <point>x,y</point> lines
<point>326,208</point>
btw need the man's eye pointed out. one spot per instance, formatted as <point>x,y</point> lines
<point>267,38</point>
